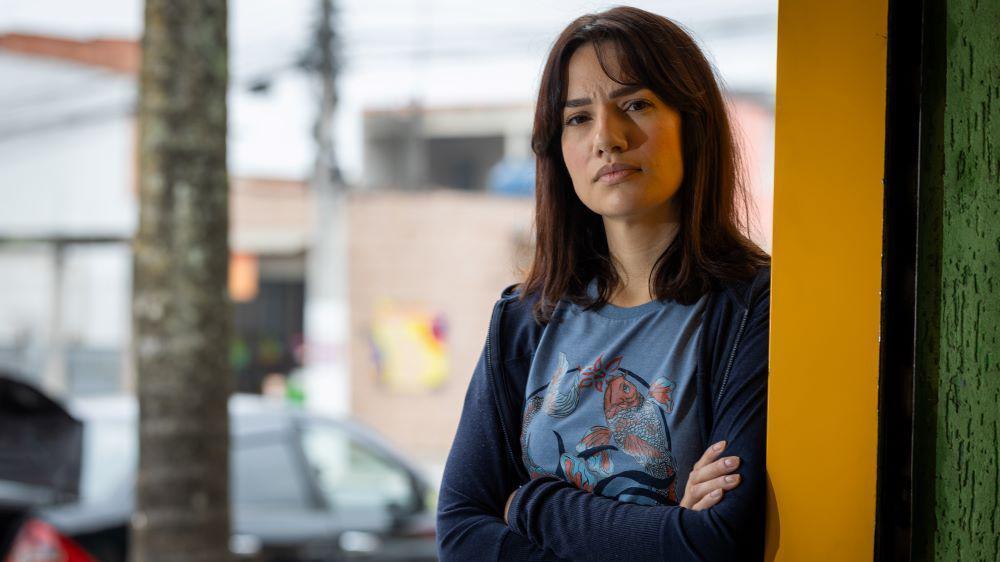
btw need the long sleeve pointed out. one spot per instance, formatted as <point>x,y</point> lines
<point>580,525</point>
<point>477,481</point>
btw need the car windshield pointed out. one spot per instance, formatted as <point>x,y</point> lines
<point>268,474</point>
<point>350,475</point>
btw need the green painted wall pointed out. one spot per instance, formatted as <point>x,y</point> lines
<point>957,395</point>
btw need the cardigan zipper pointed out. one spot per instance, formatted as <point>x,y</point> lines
<point>732,357</point>
<point>497,310</point>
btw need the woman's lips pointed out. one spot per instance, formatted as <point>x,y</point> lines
<point>616,177</point>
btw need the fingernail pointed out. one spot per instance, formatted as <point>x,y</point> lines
<point>718,446</point>
<point>731,478</point>
<point>730,462</point>
<point>716,493</point>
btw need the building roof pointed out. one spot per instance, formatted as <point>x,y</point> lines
<point>44,93</point>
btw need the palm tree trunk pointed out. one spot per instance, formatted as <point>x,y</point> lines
<point>181,311</point>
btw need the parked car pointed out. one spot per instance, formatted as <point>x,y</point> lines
<point>40,449</point>
<point>304,487</point>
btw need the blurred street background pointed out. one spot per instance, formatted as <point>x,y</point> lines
<point>363,265</point>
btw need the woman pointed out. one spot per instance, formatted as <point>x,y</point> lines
<point>635,350</point>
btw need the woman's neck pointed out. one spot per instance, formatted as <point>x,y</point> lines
<point>635,247</point>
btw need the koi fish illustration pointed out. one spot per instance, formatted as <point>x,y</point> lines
<point>555,404</point>
<point>589,465</point>
<point>635,424</point>
<point>559,402</point>
<point>532,409</point>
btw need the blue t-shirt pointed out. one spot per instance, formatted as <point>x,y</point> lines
<point>610,400</point>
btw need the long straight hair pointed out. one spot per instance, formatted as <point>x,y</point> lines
<point>712,243</point>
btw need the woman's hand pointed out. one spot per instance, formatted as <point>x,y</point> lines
<point>506,507</point>
<point>709,478</point>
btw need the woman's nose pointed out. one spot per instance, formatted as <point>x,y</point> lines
<point>609,135</point>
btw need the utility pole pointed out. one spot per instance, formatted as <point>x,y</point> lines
<point>327,383</point>
<point>326,172</point>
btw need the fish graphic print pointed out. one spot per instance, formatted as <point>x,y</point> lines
<point>635,425</point>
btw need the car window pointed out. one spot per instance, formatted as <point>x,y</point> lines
<point>350,475</point>
<point>110,450</point>
<point>264,472</point>
<point>267,474</point>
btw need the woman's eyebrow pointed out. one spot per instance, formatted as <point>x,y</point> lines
<point>623,91</point>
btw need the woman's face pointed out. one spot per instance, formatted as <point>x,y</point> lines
<point>605,123</point>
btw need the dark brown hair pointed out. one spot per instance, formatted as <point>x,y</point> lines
<point>713,241</point>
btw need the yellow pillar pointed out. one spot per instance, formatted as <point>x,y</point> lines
<point>826,278</point>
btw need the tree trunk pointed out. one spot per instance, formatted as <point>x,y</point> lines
<point>181,311</point>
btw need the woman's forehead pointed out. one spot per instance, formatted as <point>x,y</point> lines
<point>601,59</point>
<point>585,70</point>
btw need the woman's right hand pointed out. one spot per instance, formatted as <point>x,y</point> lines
<point>710,478</point>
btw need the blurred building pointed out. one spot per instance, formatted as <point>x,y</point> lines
<point>67,146</point>
<point>68,160</point>
<point>471,148</point>
<point>271,225</point>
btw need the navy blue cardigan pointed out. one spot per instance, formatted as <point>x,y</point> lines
<point>551,519</point>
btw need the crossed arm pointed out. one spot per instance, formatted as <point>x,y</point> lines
<point>549,519</point>
<point>708,481</point>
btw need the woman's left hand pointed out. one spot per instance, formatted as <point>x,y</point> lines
<point>506,506</point>
<point>710,478</point>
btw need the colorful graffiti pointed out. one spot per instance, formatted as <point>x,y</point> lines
<point>409,348</point>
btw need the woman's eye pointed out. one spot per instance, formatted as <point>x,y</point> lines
<point>637,104</point>
<point>575,120</point>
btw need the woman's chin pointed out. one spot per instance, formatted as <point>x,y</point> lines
<point>621,210</point>
<point>622,213</point>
